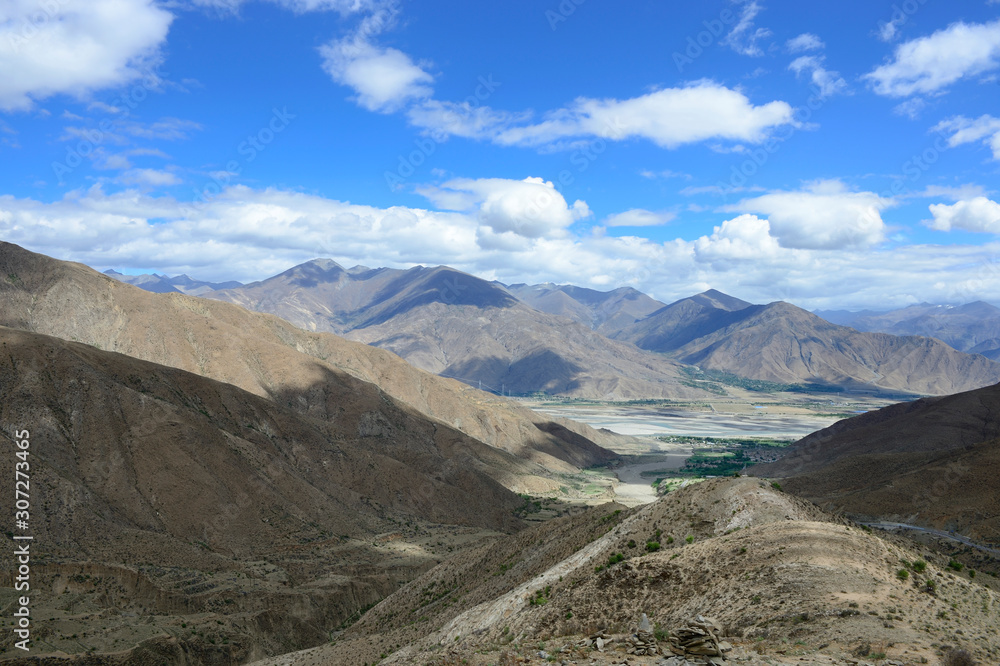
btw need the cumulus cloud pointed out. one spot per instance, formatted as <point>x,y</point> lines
<point>530,208</point>
<point>985,128</point>
<point>827,83</point>
<point>670,117</point>
<point>744,37</point>
<point>75,47</point>
<point>804,42</point>
<point>928,64</point>
<point>823,215</point>
<point>743,238</point>
<point>978,214</point>
<point>248,234</point>
<point>639,217</point>
<point>384,78</point>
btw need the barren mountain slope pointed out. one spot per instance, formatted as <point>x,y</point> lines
<point>606,312</point>
<point>782,343</point>
<point>973,327</point>
<point>521,350</point>
<point>457,325</point>
<point>143,476</point>
<point>932,462</point>
<point>265,355</point>
<point>788,583</point>
<point>679,323</point>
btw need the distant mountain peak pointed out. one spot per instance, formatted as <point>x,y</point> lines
<point>716,299</point>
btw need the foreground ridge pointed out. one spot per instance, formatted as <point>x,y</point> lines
<point>777,579</point>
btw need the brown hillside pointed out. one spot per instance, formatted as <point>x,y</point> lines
<point>160,494</point>
<point>262,354</point>
<point>782,343</point>
<point>788,583</point>
<point>931,462</point>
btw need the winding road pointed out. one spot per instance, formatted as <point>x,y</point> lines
<point>940,533</point>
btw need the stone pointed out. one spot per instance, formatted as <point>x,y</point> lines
<point>644,624</point>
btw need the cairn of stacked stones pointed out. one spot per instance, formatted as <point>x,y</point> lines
<point>699,643</point>
<point>643,641</point>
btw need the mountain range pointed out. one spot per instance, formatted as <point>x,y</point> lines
<point>613,345</point>
<point>460,326</point>
<point>215,485</point>
<point>973,327</point>
<point>161,284</point>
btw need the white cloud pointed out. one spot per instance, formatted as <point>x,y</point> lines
<point>75,47</point>
<point>985,128</point>
<point>911,108</point>
<point>666,173</point>
<point>928,64</point>
<point>248,234</point>
<point>384,78</point>
<point>443,119</point>
<point>826,82</point>
<point>168,129</point>
<point>297,6</point>
<point>824,215</point>
<point>639,217</point>
<point>342,6</point>
<point>744,238</point>
<point>804,42</point>
<point>530,208</point>
<point>743,37</point>
<point>978,214</point>
<point>967,191</point>
<point>149,178</point>
<point>669,117</point>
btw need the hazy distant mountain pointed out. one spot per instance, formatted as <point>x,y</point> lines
<point>461,326</point>
<point>161,284</point>
<point>932,462</point>
<point>606,312</point>
<point>783,343</point>
<point>973,327</point>
<point>846,317</point>
<point>315,374</point>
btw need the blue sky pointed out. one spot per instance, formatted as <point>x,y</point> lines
<point>842,157</point>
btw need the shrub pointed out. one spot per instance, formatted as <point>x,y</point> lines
<point>670,539</point>
<point>919,566</point>
<point>957,566</point>
<point>776,486</point>
<point>902,574</point>
<point>689,538</point>
<point>652,546</point>
<point>958,657</point>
